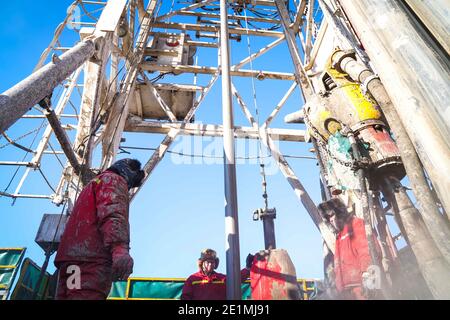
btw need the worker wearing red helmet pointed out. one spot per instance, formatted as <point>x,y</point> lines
<point>352,259</point>
<point>94,249</point>
<point>208,284</point>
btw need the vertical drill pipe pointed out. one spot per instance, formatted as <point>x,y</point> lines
<point>365,201</point>
<point>324,190</point>
<point>386,257</point>
<point>434,221</point>
<point>16,101</point>
<point>366,209</point>
<point>233,281</point>
<point>432,265</point>
<point>383,226</point>
<point>321,164</point>
<point>416,77</point>
<point>269,232</point>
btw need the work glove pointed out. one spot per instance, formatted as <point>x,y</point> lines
<point>249,261</point>
<point>365,290</point>
<point>122,263</point>
<point>369,284</point>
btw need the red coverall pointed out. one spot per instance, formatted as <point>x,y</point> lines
<point>213,287</point>
<point>351,259</point>
<point>99,222</point>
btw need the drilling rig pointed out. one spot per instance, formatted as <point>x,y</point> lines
<point>374,82</point>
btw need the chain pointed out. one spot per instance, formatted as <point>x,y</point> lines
<point>354,164</point>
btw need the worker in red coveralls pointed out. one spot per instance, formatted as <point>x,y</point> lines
<point>94,249</point>
<point>207,284</point>
<point>353,265</point>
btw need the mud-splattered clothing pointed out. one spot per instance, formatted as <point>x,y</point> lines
<point>213,287</point>
<point>94,283</point>
<point>99,221</point>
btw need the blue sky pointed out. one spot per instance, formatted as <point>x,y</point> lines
<point>180,210</point>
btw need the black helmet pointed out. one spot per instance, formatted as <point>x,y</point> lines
<point>130,170</point>
<point>332,207</point>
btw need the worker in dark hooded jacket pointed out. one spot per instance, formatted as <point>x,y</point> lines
<point>208,284</point>
<point>352,259</point>
<point>94,249</point>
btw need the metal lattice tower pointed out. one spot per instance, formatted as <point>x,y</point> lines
<point>134,69</point>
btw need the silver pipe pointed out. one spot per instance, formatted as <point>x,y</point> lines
<point>416,78</point>
<point>434,220</point>
<point>435,15</point>
<point>365,201</point>
<point>15,102</point>
<point>432,264</point>
<point>233,281</point>
<point>15,163</point>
